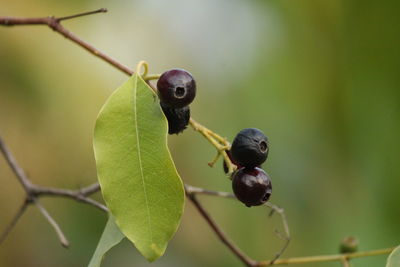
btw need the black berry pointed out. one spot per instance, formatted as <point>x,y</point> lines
<point>250,148</point>
<point>176,88</point>
<point>178,118</point>
<point>251,186</point>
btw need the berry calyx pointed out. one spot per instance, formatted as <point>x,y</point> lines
<point>176,88</point>
<point>252,186</point>
<point>178,118</point>
<point>250,148</point>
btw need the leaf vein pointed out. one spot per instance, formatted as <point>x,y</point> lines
<point>140,160</point>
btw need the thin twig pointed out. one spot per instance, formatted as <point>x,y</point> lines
<point>101,10</point>
<point>197,190</point>
<point>53,223</point>
<point>326,258</point>
<point>90,189</point>
<point>78,195</point>
<point>274,208</point>
<point>287,237</point>
<point>281,212</point>
<point>224,239</point>
<point>14,221</point>
<point>54,23</point>
<point>19,172</point>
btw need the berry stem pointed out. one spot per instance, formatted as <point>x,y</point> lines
<point>220,139</point>
<point>211,163</point>
<point>145,66</point>
<point>152,77</point>
<point>220,143</point>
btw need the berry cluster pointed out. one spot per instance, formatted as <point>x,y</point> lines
<point>251,184</point>
<point>176,90</point>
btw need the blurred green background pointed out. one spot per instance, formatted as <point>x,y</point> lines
<point>320,78</point>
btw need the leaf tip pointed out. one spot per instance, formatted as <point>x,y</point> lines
<point>156,249</point>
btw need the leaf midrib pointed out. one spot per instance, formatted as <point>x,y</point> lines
<point>140,158</point>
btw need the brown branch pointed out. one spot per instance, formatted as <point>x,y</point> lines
<point>274,208</point>
<point>93,188</point>
<point>223,238</point>
<point>101,10</point>
<point>80,195</point>
<point>19,172</point>
<point>55,24</point>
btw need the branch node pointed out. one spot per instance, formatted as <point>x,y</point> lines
<point>52,22</point>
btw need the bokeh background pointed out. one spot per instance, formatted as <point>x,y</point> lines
<point>320,78</point>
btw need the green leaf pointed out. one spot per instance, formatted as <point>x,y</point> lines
<point>394,258</point>
<point>138,179</point>
<point>111,236</point>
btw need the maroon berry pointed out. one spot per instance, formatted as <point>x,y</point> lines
<point>176,88</point>
<point>251,186</point>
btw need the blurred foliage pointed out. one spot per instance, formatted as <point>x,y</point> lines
<point>320,78</point>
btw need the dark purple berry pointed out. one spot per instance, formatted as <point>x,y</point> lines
<point>251,186</point>
<point>176,88</point>
<point>250,148</point>
<point>178,118</point>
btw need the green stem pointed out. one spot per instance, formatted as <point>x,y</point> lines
<point>152,77</point>
<point>325,258</point>
<point>220,143</point>
<point>139,67</point>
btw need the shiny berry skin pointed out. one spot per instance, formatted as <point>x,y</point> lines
<point>251,186</point>
<point>176,88</point>
<point>178,118</point>
<point>250,148</point>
